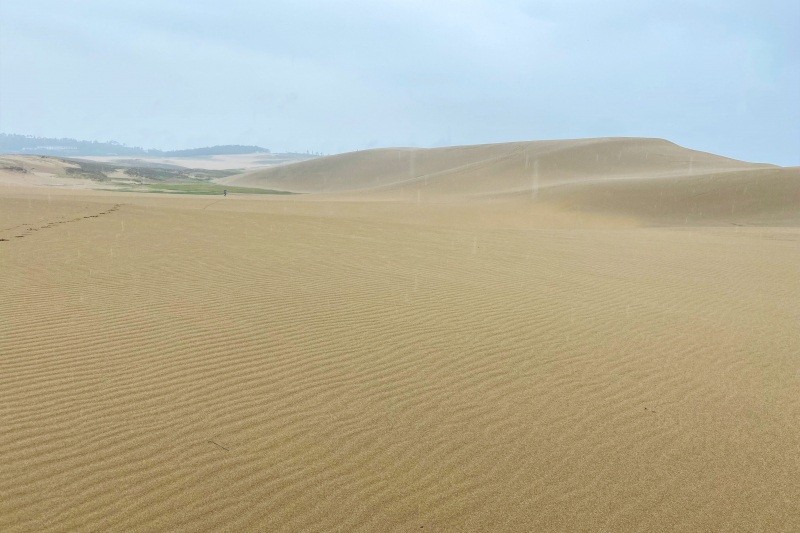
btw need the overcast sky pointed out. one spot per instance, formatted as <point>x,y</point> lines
<point>339,76</point>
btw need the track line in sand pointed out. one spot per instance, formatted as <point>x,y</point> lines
<point>30,228</point>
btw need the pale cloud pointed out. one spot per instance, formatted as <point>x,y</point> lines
<point>335,76</point>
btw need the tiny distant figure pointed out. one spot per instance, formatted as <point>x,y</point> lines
<point>224,192</point>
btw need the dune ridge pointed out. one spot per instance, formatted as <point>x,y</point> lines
<point>490,168</point>
<point>652,180</point>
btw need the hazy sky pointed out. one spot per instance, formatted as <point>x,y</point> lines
<point>337,76</point>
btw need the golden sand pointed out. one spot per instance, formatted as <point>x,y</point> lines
<point>505,362</point>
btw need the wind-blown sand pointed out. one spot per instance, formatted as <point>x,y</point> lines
<point>613,349</point>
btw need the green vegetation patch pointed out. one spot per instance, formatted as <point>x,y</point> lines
<point>199,188</point>
<point>182,175</point>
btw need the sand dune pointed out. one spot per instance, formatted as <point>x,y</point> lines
<point>492,168</point>
<point>26,170</point>
<point>652,180</point>
<point>488,358</point>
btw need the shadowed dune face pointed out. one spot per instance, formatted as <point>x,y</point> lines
<point>762,197</point>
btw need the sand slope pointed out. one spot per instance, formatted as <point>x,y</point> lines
<point>651,180</point>
<point>490,168</point>
<point>295,364</point>
<point>26,170</point>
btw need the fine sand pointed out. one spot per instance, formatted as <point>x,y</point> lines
<point>597,335</point>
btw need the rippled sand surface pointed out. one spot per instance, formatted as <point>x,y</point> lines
<point>318,363</point>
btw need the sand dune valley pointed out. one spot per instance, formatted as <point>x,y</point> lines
<point>584,335</point>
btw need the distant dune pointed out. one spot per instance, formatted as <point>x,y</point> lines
<point>38,171</point>
<point>653,180</point>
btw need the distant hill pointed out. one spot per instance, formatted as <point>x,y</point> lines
<point>491,169</point>
<point>26,144</point>
<point>651,180</point>
<point>224,149</point>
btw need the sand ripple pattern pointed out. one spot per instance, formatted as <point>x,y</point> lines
<point>168,368</point>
